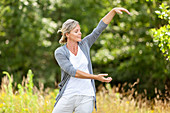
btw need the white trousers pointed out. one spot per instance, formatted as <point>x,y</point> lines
<point>76,104</point>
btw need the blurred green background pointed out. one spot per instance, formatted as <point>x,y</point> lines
<point>125,50</point>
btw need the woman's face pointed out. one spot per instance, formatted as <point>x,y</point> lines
<point>75,34</point>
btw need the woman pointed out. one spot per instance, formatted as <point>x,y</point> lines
<point>77,87</point>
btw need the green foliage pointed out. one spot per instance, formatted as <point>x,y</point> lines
<point>126,50</point>
<point>8,88</point>
<point>9,91</point>
<point>30,83</point>
<point>162,35</point>
<point>27,99</point>
<point>25,38</point>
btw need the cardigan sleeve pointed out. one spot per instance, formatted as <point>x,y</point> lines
<point>64,63</point>
<point>91,38</point>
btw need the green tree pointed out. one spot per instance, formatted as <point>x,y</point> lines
<point>126,50</point>
<point>25,38</point>
<point>162,35</point>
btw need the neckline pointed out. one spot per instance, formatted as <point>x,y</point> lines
<point>74,54</point>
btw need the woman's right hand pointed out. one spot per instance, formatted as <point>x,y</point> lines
<point>102,78</point>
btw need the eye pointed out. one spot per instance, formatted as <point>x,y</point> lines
<point>76,31</point>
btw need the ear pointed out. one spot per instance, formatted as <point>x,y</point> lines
<point>67,35</point>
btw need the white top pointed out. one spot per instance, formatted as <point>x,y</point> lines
<point>77,86</point>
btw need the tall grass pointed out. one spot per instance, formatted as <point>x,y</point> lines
<point>109,100</point>
<point>29,99</point>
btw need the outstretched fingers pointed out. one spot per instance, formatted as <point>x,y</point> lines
<point>125,10</point>
<point>103,75</point>
<point>119,10</point>
<point>103,79</point>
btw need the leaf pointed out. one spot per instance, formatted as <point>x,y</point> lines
<point>157,12</point>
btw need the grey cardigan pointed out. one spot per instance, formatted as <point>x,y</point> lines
<point>62,56</point>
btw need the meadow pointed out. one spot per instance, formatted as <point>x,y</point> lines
<point>27,98</point>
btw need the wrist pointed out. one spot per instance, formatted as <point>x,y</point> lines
<point>95,77</point>
<point>114,11</point>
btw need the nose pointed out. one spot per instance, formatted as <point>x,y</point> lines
<point>79,33</point>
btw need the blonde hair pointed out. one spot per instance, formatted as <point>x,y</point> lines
<point>66,28</point>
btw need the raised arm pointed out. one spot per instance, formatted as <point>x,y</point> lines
<point>108,17</point>
<point>91,38</point>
